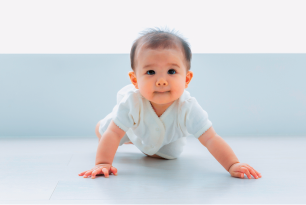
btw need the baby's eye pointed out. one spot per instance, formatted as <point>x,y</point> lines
<point>151,72</point>
<point>171,71</point>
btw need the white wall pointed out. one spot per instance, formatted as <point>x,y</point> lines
<point>99,26</point>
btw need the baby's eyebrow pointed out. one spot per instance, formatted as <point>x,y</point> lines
<point>171,64</point>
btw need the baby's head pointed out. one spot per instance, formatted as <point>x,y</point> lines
<point>161,62</point>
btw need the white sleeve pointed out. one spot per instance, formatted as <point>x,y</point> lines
<point>196,119</point>
<point>123,113</point>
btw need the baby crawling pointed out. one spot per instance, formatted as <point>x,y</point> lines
<point>156,113</point>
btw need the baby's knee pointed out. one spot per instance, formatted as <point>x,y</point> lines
<point>155,156</point>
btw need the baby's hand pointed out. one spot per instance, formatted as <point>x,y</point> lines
<point>100,169</point>
<point>239,169</point>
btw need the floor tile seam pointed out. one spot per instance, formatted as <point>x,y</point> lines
<point>69,160</point>
<point>53,190</point>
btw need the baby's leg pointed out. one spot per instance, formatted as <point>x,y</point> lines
<point>173,149</point>
<point>97,131</point>
<point>155,155</point>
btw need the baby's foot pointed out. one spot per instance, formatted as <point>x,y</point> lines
<point>128,143</point>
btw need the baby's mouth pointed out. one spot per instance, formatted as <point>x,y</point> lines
<point>163,92</point>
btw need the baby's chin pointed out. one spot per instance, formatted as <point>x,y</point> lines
<point>161,98</point>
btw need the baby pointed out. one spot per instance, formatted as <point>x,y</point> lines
<point>156,113</point>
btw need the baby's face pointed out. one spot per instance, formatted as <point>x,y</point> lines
<point>161,74</point>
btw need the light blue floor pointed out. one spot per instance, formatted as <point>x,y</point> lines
<point>45,171</point>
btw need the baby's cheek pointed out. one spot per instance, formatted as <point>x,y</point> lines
<point>146,93</point>
<point>176,93</point>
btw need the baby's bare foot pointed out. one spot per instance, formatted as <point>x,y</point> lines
<point>128,143</point>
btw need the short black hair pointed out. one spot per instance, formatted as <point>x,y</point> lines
<point>157,37</point>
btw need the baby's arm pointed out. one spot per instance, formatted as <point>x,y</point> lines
<point>109,144</point>
<point>225,155</point>
<point>107,148</point>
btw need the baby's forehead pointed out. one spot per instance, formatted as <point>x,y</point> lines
<point>175,50</point>
<point>178,51</point>
<point>171,46</point>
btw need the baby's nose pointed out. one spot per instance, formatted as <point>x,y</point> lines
<point>161,82</point>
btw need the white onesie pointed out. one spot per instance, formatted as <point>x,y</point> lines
<point>164,135</point>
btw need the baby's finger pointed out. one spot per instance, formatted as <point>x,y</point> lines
<point>238,174</point>
<point>253,172</point>
<point>105,171</point>
<point>87,173</point>
<point>114,171</point>
<point>82,173</point>
<point>246,171</point>
<point>95,172</point>
<point>259,175</point>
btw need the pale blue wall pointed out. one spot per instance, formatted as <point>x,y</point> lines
<point>67,94</point>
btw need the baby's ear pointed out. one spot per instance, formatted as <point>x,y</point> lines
<point>189,76</point>
<point>133,79</point>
